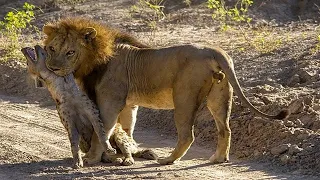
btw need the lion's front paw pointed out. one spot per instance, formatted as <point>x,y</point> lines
<point>165,161</point>
<point>90,161</point>
<point>128,161</point>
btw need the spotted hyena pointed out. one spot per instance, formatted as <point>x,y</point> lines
<point>79,114</point>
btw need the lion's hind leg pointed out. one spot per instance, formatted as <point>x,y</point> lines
<point>186,104</point>
<point>219,103</point>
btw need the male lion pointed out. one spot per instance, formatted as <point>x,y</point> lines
<point>118,75</point>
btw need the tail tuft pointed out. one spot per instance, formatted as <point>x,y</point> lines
<point>146,154</point>
<point>282,114</point>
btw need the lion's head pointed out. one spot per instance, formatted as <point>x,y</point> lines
<point>77,45</point>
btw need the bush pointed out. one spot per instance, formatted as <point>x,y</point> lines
<point>226,15</point>
<point>12,27</point>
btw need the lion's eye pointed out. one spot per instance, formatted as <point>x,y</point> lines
<point>70,53</point>
<point>51,48</point>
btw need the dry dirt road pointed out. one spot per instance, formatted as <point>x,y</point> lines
<point>34,145</point>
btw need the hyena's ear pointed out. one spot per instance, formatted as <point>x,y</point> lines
<point>89,33</point>
<point>48,29</point>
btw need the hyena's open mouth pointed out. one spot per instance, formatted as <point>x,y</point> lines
<point>29,52</point>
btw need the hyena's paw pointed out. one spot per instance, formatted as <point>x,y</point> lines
<point>149,154</point>
<point>128,161</point>
<point>77,164</point>
<point>117,161</point>
<point>111,151</point>
<point>111,159</point>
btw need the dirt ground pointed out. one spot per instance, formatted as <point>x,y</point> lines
<point>34,145</point>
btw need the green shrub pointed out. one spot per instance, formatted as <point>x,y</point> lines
<point>226,15</point>
<point>317,47</point>
<point>13,25</point>
<point>264,40</point>
<point>151,11</point>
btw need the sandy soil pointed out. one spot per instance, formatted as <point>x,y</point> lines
<point>34,144</point>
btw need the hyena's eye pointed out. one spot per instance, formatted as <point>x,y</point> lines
<point>70,53</point>
<point>51,48</point>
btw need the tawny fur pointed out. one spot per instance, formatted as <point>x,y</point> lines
<point>176,77</point>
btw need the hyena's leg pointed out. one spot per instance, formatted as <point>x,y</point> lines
<point>127,119</point>
<point>74,137</point>
<point>126,146</point>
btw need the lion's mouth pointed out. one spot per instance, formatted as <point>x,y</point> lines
<point>53,69</point>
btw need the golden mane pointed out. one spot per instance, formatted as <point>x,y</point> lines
<point>102,46</point>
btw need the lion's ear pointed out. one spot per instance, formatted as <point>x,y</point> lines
<point>89,33</point>
<point>49,29</point>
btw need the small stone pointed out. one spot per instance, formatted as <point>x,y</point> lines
<point>280,149</point>
<point>294,159</point>
<point>256,153</point>
<point>309,148</point>
<point>305,145</point>
<point>285,159</point>
<point>296,106</point>
<point>295,79</point>
<point>298,131</point>
<point>303,136</point>
<point>298,123</point>
<point>294,149</point>
<point>289,124</point>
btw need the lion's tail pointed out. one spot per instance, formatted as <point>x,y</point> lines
<point>225,63</point>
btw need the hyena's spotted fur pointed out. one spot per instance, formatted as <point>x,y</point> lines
<point>80,116</point>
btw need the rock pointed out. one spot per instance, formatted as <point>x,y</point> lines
<point>303,136</point>
<point>305,145</point>
<point>296,106</point>
<point>280,149</point>
<point>256,153</point>
<point>285,159</point>
<point>294,149</point>
<point>297,123</point>
<point>294,80</point>
<point>302,133</point>
<point>289,124</point>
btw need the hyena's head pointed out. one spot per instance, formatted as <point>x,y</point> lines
<point>35,62</point>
